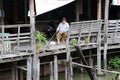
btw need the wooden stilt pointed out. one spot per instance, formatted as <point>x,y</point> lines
<point>77,10</point>
<point>106,33</point>
<point>2,12</point>
<point>81,68</point>
<point>55,68</point>
<point>29,68</point>
<point>21,74</point>
<point>99,11</point>
<point>99,52</point>
<point>33,44</point>
<point>68,55</point>
<point>90,59</point>
<point>51,71</point>
<point>14,71</point>
<point>25,7</point>
<point>36,68</point>
<point>65,72</point>
<point>71,68</point>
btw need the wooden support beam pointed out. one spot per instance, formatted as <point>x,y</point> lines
<point>85,66</point>
<point>2,12</point>
<point>36,62</point>
<point>14,71</point>
<point>22,68</point>
<point>90,71</point>
<point>65,72</point>
<point>32,22</point>
<point>71,69</point>
<point>51,71</point>
<point>99,7</point>
<point>21,75</point>
<point>68,68</point>
<point>55,68</point>
<point>78,9</point>
<point>99,52</point>
<point>106,17</point>
<point>29,68</point>
<point>25,7</point>
<point>36,68</point>
<point>90,59</point>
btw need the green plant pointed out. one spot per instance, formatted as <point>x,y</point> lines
<point>114,63</point>
<point>73,41</point>
<point>87,40</point>
<point>40,37</point>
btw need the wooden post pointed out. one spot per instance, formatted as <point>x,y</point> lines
<point>2,23</point>
<point>99,12</point>
<point>25,7</point>
<point>55,68</point>
<point>89,9</point>
<point>51,71</point>
<point>2,12</point>
<point>77,10</point>
<point>90,59</point>
<point>71,68</point>
<point>21,74</point>
<point>14,71</point>
<point>81,68</point>
<point>106,17</point>
<point>68,73</point>
<point>65,72</point>
<point>32,22</point>
<point>68,55</point>
<point>99,50</point>
<point>36,68</point>
<point>29,68</point>
<point>36,62</point>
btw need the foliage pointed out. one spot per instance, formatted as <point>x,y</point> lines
<point>114,63</point>
<point>87,40</point>
<point>73,41</point>
<point>40,37</point>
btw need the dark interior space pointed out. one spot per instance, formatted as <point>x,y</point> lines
<point>15,11</point>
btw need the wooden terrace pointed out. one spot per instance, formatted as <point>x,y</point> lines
<point>89,35</point>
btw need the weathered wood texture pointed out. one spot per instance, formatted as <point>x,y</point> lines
<point>16,42</point>
<point>91,73</point>
<point>55,68</point>
<point>29,68</point>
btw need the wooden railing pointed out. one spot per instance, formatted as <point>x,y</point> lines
<point>17,41</point>
<point>114,32</point>
<point>92,32</point>
<point>86,32</point>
